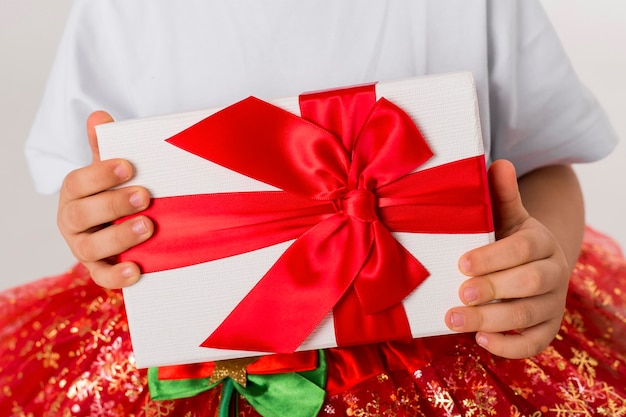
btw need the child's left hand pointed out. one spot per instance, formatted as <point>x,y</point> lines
<point>526,269</point>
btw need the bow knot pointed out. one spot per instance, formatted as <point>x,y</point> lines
<point>360,204</point>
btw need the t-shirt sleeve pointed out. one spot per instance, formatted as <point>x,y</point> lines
<point>84,78</point>
<point>541,114</point>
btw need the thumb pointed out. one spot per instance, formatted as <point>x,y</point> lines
<point>96,118</point>
<point>508,210</point>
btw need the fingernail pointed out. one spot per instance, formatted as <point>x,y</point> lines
<point>139,227</point>
<point>128,272</point>
<point>464,265</point>
<point>136,200</point>
<point>481,340</point>
<point>457,320</point>
<point>470,295</point>
<point>121,170</point>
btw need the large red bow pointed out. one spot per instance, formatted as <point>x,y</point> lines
<point>346,178</point>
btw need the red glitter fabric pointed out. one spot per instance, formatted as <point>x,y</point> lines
<point>65,351</point>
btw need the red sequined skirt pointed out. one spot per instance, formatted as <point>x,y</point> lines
<point>65,351</point>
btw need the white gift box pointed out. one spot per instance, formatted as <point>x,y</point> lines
<point>172,312</point>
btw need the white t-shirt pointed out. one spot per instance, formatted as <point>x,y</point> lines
<point>148,57</point>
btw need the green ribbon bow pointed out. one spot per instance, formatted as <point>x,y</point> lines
<point>297,394</point>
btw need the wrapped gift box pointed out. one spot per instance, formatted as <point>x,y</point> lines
<point>179,302</point>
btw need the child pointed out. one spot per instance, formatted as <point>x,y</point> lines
<point>143,58</point>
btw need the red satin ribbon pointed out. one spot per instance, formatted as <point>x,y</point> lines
<point>346,182</point>
<point>350,366</point>
<point>265,365</point>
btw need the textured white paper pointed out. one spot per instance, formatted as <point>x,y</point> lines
<point>171,313</point>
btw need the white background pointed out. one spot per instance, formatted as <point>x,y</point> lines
<point>593,33</point>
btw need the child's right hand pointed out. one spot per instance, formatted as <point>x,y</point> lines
<point>88,206</point>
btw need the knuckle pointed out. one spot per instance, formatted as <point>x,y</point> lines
<point>475,319</point>
<point>62,223</point>
<point>118,202</point>
<point>521,315</point>
<point>534,347</point>
<point>83,248</point>
<point>107,276</point>
<point>98,276</point>
<point>547,235</point>
<point>533,281</point>
<point>70,186</point>
<point>491,290</point>
<point>119,238</point>
<point>114,208</point>
<point>530,348</point>
<point>519,349</point>
<point>73,217</point>
<point>524,249</point>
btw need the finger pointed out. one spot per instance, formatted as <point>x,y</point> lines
<point>531,243</point>
<point>524,344</point>
<point>528,280</point>
<point>94,179</point>
<point>505,316</point>
<point>112,240</point>
<point>78,216</point>
<point>113,276</point>
<point>508,210</point>
<point>96,118</point>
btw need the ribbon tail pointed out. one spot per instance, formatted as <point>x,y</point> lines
<point>290,301</point>
<point>372,309</point>
<point>451,198</point>
<point>291,394</point>
<point>226,398</point>
<point>205,227</point>
<point>348,367</point>
<point>410,356</point>
<point>388,258</point>
<point>389,324</point>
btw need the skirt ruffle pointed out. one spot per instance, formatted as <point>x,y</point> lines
<point>65,351</point>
